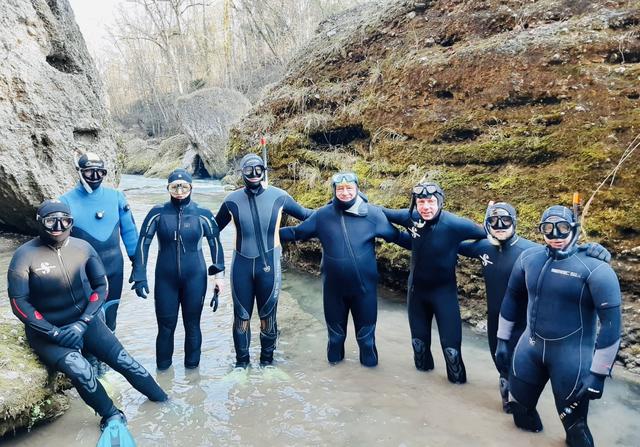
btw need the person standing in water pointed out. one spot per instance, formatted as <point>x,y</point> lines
<point>565,292</point>
<point>56,286</point>
<point>256,211</point>
<point>432,288</point>
<point>181,272</point>
<point>498,254</point>
<point>102,217</point>
<point>347,228</point>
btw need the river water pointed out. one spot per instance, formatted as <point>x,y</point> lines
<point>303,400</point>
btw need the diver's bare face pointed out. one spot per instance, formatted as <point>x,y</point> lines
<point>427,207</point>
<point>346,191</point>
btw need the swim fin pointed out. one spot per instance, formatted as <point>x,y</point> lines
<point>115,432</point>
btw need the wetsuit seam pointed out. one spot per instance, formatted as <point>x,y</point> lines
<point>591,272</point>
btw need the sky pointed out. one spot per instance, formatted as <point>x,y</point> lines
<point>92,17</point>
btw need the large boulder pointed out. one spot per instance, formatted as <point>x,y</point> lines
<point>206,117</point>
<point>171,155</point>
<point>51,105</point>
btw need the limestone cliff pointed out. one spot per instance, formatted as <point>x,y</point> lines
<point>51,105</point>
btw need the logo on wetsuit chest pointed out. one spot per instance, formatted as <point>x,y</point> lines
<point>45,268</point>
<point>566,273</point>
<point>485,259</point>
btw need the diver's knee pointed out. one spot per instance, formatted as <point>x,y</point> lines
<point>456,371</point>
<point>422,355</point>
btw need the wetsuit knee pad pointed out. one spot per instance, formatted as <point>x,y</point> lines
<point>241,340</point>
<point>367,342</point>
<point>167,325</point>
<point>456,372</point>
<point>335,346</point>
<point>125,362</point>
<point>268,339</point>
<point>422,355</point>
<point>579,435</point>
<point>79,370</point>
<point>525,418</point>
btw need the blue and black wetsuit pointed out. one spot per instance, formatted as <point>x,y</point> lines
<point>432,288</point>
<point>53,287</point>
<point>255,271</point>
<point>101,218</point>
<point>497,264</point>
<point>181,273</point>
<point>563,294</point>
<point>349,270</point>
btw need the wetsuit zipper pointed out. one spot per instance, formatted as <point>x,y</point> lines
<point>536,303</point>
<point>66,274</point>
<point>258,232</point>
<point>353,256</point>
<point>178,239</point>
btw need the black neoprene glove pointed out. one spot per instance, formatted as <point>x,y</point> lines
<point>592,387</point>
<point>69,336</point>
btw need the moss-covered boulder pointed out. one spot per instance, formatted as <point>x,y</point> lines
<point>29,395</point>
<point>497,100</point>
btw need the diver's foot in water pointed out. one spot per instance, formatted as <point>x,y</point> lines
<point>115,432</point>
<point>163,366</point>
<point>189,366</point>
<point>266,360</point>
<point>244,364</point>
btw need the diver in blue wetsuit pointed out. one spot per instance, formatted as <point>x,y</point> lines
<point>567,291</point>
<point>432,288</point>
<point>181,273</point>
<point>256,211</point>
<point>56,287</point>
<point>498,254</point>
<point>102,216</point>
<point>347,228</point>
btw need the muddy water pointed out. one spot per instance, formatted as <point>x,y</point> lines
<point>304,401</point>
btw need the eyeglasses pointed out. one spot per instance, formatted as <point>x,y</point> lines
<point>556,230</point>
<point>180,187</point>
<point>499,222</point>
<point>344,177</point>
<point>424,189</point>
<point>57,222</point>
<point>94,173</point>
<point>253,171</point>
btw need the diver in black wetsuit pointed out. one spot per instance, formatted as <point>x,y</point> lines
<point>256,211</point>
<point>347,228</point>
<point>56,285</point>
<point>566,291</point>
<point>432,288</point>
<point>181,272</point>
<point>498,253</point>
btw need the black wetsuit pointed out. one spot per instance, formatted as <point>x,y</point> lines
<point>181,273</point>
<point>349,270</point>
<point>255,270</point>
<point>563,295</point>
<point>50,288</point>
<point>432,288</point>
<point>101,218</point>
<point>497,264</point>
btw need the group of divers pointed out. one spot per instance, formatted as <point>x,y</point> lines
<point>543,300</point>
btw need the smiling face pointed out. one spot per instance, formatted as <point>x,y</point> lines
<point>346,191</point>
<point>427,207</point>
